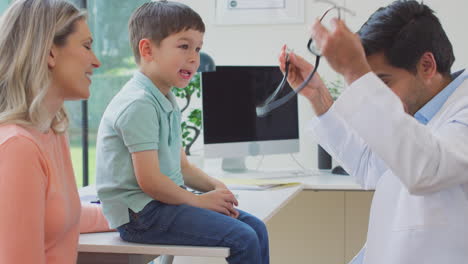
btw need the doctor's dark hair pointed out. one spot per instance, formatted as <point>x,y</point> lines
<point>157,20</point>
<point>404,31</point>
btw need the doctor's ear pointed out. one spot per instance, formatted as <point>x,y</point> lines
<point>145,47</point>
<point>51,60</point>
<point>427,65</point>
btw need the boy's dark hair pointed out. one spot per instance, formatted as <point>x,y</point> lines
<point>404,31</point>
<point>157,20</point>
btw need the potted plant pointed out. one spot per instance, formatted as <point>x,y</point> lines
<point>192,123</point>
<point>324,159</point>
<point>335,87</point>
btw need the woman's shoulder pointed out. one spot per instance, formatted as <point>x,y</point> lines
<point>23,158</point>
<point>8,131</point>
<point>24,137</point>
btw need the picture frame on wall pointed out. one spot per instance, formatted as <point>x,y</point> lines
<point>244,12</point>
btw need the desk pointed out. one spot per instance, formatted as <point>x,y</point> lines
<point>312,180</point>
<point>326,223</point>
<point>109,248</point>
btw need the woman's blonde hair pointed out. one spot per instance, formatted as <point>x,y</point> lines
<point>28,29</point>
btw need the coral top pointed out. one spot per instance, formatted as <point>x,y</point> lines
<point>40,212</point>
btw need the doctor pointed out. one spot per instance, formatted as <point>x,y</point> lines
<point>400,127</point>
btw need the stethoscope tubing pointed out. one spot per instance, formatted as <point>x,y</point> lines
<point>269,106</point>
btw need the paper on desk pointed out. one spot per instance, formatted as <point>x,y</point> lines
<point>90,198</point>
<point>255,184</point>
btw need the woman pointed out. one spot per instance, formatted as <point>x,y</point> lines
<point>45,59</point>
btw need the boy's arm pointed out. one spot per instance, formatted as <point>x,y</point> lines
<point>197,179</point>
<point>154,183</point>
<point>157,185</point>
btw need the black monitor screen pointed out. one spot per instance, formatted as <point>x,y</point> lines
<point>230,96</point>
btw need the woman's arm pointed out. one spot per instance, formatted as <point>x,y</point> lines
<point>23,184</point>
<point>92,219</point>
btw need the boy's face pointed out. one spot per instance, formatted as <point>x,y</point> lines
<point>176,59</point>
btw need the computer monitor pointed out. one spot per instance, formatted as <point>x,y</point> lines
<point>231,128</point>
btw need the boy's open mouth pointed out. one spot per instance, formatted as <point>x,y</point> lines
<point>185,74</point>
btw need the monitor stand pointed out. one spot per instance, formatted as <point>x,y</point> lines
<point>234,165</point>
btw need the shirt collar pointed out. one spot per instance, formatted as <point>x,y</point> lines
<point>430,109</point>
<point>168,103</point>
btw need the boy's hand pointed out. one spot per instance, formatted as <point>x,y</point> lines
<point>222,186</point>
<point>219,200</point>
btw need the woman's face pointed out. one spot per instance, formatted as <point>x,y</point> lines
<point>72,64</point>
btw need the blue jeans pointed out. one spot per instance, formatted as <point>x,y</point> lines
<point>160,223</point>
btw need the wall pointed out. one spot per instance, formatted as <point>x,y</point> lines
<point>260,45</point>
<point>3,5</point>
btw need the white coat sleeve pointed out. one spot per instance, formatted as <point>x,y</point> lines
<point>347,148</point>
<point>359,258</point>
<point>424,161</point>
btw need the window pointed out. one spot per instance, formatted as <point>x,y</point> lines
<point>3,5</point>
<point>108,24</point>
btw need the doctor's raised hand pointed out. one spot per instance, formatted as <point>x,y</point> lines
<point>298,70</point>
<point>341,48</point>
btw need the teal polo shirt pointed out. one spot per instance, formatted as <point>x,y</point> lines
<point>138,118</point>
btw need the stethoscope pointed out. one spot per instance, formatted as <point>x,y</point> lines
<point>270,103</point>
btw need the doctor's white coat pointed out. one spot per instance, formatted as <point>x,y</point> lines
<point>419,212</point>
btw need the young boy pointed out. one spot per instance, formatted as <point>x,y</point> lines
<point>141,166</point>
